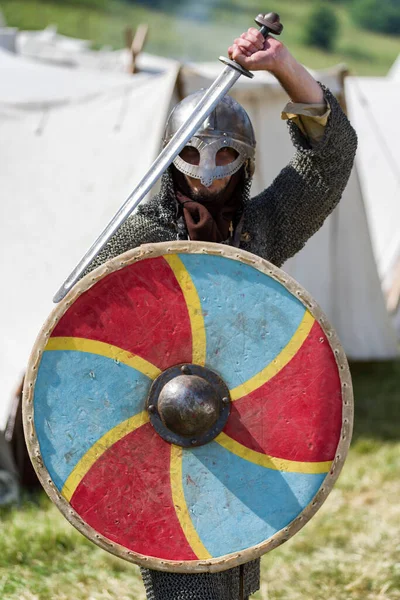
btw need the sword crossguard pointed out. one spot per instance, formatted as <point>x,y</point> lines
<point>269,23</point>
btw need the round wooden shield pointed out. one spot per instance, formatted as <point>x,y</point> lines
<point>283,411</point>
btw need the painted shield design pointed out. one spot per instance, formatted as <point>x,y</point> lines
<point>177,320</point>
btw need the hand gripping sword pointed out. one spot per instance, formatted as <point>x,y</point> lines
<point>269,23</point>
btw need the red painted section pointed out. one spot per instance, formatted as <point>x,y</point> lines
<point>140,309</point>
<point>126,496</point>
<point>297,415</point>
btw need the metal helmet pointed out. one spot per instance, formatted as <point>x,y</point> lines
<point>228,126</point>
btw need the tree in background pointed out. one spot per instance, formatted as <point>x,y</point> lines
<point>377,15</point>
<point>322,27</point>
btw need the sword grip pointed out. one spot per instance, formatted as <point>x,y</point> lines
<point>269,23</point>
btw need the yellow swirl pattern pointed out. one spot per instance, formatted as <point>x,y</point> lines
<point>271,462</point>
<point>181,508</point>
<point>279,362</point>
<point>194,308</point>
<point>98,449</point>
<point>104,349</point>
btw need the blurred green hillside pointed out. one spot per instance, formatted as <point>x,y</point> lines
<point>190,30</point>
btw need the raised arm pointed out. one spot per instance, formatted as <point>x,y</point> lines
<point>255,53</point>
<point>282,218</point>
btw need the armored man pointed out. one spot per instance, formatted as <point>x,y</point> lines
<point>205,196</point>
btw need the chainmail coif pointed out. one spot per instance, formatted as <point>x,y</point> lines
<point>276,225</point>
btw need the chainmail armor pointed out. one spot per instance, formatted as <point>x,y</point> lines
<point>276,225</point>
<point>202,586</point>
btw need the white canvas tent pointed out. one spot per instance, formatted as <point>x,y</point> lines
<point>49,44</point>
<point>337,266</point>
<point>74,144</point>
<point>394,72</point>
<point>373,103</point>
<point>50,47</point>
<point>380,159</point>
<point>7,37</point>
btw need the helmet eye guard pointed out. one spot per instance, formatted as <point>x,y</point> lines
<point>224,156</point>
<point>207,158</point>
<point>227,127</point>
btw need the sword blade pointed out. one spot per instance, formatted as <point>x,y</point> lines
<point>209,101</point>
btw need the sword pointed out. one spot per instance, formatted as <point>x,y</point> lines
<point>269,23</point>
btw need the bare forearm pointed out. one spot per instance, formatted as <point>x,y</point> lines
<point>298,83</point>
<point>254,52</point>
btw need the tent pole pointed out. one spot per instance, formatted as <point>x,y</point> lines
<point>136,43</point>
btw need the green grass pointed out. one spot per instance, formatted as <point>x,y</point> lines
<point>349,551</point>
<point>205,32</point>
<point>42,557</point>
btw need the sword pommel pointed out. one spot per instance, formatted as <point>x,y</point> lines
<point>269,23</point>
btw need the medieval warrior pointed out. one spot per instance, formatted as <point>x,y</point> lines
<point>205,196</point>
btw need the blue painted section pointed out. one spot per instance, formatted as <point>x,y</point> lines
<point>78,398</point>
<point>249,317</point>
<point>235,504</point>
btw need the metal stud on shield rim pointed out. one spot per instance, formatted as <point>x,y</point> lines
<point>270,410</point>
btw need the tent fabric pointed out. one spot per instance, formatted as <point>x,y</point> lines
<point>8,37</point>
<point>52,48</point>
<point>48,45</point>
<point>48,39</point>
<point>394,71</point>
<point>378,163</point>
<point>64,171</point>
<point>337,265</point>
<point>29,84</point>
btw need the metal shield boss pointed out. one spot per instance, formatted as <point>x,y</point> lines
<point>187,406</point>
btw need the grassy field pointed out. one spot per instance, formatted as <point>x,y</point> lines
<point>349,551</point>
<point>204,30</point>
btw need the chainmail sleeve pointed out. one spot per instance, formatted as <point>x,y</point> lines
<point>280,220</point>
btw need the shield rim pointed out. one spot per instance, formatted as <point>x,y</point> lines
<point>154,250</point>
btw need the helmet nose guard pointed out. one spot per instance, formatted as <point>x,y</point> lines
<point>227,126</point>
